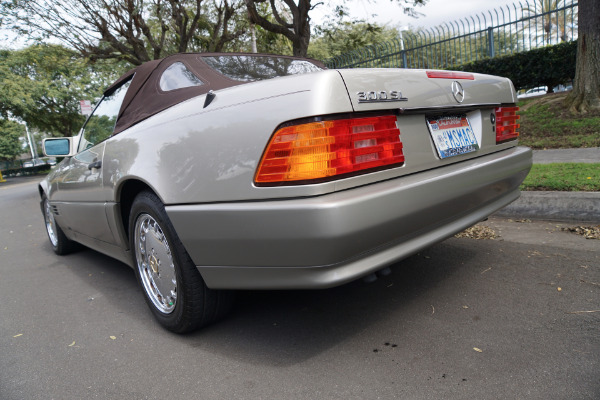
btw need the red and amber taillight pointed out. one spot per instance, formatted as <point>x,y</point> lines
<point>506,124</point>
<point>322,150</point>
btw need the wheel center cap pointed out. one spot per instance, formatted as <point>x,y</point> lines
<point>153,263</point>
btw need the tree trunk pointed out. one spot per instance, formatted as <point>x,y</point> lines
<point>297,30</point>
<point>300,44</point>
<point>585,96</point>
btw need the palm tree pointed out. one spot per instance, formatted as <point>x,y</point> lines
<point>553,20</point>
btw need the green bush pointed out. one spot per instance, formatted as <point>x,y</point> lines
<point>544,66</point>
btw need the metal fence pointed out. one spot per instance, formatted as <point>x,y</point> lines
<point>506,30</point>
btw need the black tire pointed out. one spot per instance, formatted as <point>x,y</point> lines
<point>59,242</point>
<point>159,257</point>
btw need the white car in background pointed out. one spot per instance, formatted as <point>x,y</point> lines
<point>536,91</point>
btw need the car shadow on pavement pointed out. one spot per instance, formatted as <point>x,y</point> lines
<point>282,328</point>
<point>277,328</point>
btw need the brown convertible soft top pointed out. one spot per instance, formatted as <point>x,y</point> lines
<point>145,98</point>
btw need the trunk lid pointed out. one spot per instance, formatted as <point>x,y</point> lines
<point>408,89</point>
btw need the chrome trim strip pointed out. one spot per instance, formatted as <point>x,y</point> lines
<point>448,107</point>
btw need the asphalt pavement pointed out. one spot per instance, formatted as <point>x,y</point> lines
<point>516,317</point>
<point>587,155</point>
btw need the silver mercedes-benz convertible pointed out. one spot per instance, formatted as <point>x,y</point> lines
<point>211,172</point>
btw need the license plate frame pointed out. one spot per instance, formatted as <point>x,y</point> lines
<point>452,135</point>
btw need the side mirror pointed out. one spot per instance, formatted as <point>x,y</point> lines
<point>58,147</point>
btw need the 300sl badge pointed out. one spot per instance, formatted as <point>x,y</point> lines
<point>381,96</point>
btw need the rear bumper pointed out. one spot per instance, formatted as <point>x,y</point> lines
<point>329,240</point>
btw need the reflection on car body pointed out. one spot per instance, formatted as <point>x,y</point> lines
<point>284,180</point>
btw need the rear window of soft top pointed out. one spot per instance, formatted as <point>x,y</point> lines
<point>255,68</point>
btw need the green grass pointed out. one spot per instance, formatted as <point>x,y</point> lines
<point>546,125</point>
<point>563,177</point>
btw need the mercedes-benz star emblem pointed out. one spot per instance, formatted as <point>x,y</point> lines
<point>458,92</point>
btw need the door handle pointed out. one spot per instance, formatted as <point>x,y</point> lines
<point>95,164</point>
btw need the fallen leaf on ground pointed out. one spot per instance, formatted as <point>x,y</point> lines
<point>588,232</point>
<point>477,350</point>
<point>113,337</point>
<point>72,344</point>
<point>20,334</point>
<point>478,232</point>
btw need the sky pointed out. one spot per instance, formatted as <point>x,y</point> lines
<point>436,11</point>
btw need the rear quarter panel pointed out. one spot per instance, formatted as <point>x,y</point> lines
<point>191,154</point>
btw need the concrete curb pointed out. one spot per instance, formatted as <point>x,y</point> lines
<point>573,206</point>
<point>560,206</point>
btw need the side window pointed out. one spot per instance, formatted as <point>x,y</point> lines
<point>101,124</point>
<point>178,76</point>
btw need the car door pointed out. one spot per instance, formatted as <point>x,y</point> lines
<point>79,196</point>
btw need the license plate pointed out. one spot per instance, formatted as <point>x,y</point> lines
<point>452,135</point>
